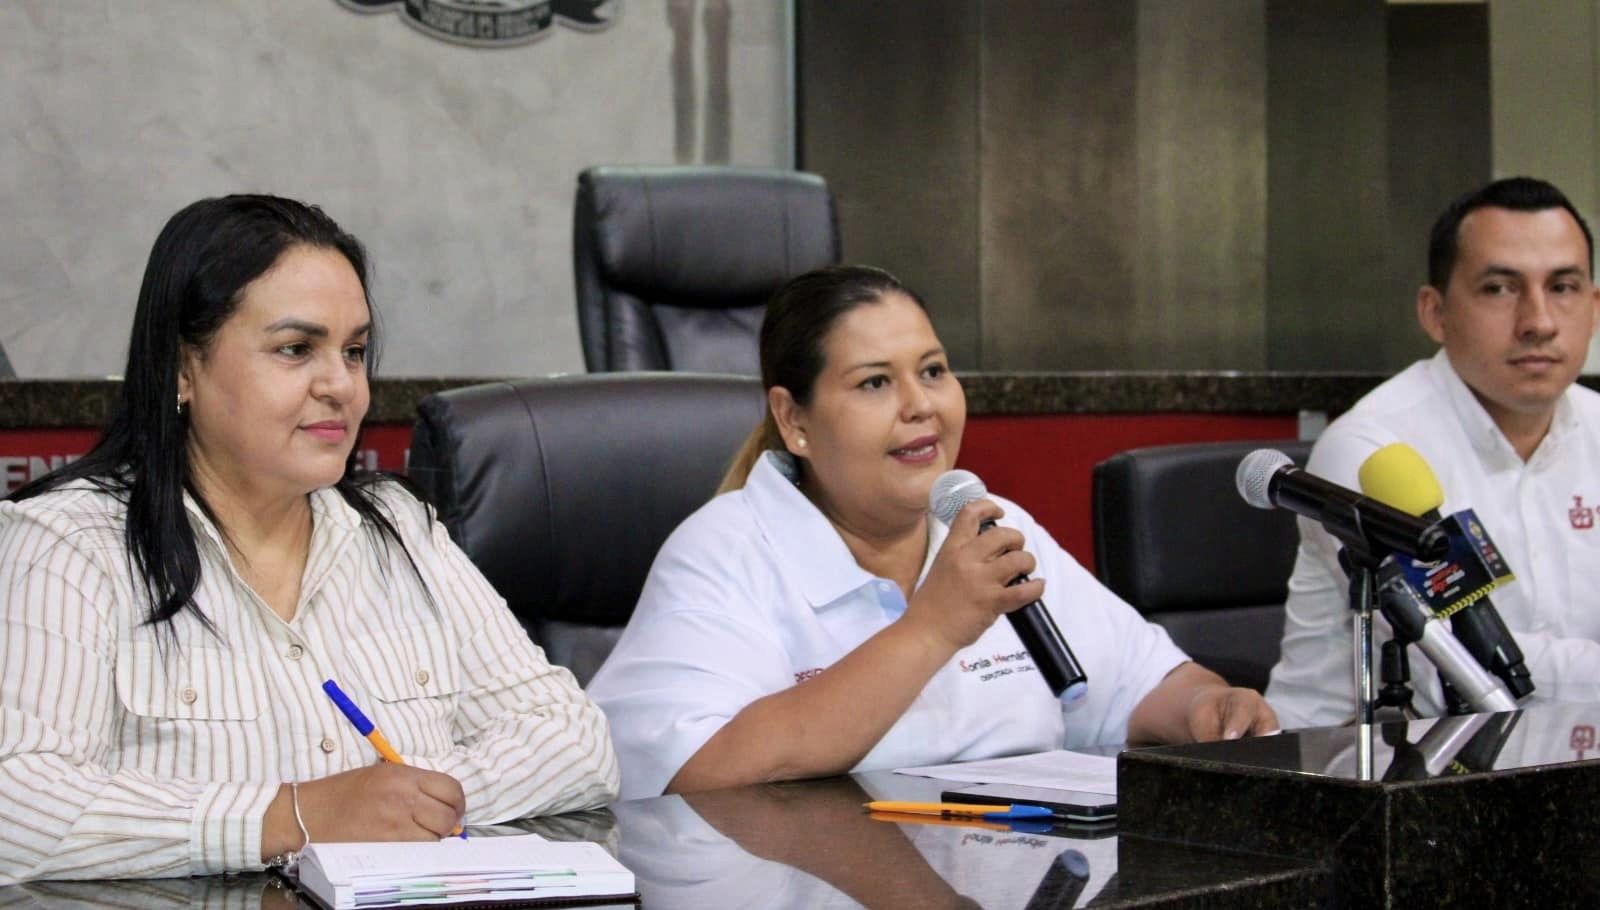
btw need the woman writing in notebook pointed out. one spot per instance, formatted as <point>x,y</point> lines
<point>171,603</point>
<point>815,619</point>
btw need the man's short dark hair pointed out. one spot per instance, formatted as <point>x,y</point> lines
<point>1519,194</point>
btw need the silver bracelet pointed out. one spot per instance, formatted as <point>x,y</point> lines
<point>289,858</point>
<point>294,797</point>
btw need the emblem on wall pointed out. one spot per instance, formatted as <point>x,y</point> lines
<point>494,23</point>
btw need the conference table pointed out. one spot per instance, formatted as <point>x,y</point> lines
<point>1496,810</point>
<point>810,844</point>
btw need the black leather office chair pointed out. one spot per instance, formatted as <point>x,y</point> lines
<point>561,489</point>
<point>1174,539</point>
<point>674,265</point>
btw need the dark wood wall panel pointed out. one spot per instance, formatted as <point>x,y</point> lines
<point>1202,183</point>
<point>1377,116</point>
<point>888,114</point>
<point>1058,215</point>
<point>1149,184</point>
<point>1327,183</point>
<point>1439,144</point>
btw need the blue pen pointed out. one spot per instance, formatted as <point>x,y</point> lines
<point>1019,812</point>
<point>1039,825</point>
<point>366,728</point>
<point>962,810</point>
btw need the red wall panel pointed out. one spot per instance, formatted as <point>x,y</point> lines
<point>1044,462</point>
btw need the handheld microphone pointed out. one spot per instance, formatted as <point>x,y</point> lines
<point>1412,620</point>
<point>1033,624</point>
<point>1267,478</point>
<point>1458,585</point>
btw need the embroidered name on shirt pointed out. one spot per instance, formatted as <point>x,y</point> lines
<point>1581,516</point>
<point>804,675</point>
<point>999,663</point>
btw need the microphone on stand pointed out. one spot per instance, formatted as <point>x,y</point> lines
<point>1033,624</point>
<point>1412,620</point>
<point>1267,478</point>
<point>1456,585</point>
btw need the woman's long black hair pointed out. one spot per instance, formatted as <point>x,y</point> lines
<point>203,260</point>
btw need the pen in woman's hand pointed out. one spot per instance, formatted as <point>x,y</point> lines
<point>367,728</point>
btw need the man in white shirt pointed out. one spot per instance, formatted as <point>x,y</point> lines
<point>1512,303</point>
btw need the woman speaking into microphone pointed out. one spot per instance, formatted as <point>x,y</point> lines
<point>814,619</point>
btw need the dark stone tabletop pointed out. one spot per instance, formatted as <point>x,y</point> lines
<point>1487,809</point>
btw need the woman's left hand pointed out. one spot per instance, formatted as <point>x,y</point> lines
<point>1228,712</point>
<point>1193,704</point>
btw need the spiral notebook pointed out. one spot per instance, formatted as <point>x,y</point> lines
<point>524,870</point>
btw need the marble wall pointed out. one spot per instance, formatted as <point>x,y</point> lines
<point>1184,184</point>
<point>455,164</point>
<point>1151,184</point>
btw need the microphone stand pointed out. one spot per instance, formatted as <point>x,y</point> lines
<point>1361,565</point>
<point>1361,556</point>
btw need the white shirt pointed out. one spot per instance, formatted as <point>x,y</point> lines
<point>1538,512</point>
<point>122,755</point>
<point>756,592</point>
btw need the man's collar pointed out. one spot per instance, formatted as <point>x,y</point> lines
<point>1487,439</point>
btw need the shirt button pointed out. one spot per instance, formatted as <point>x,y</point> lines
<point>328,745</point>
<point>423,677</point>
<point>189,696</point>
<point>885,586</point>
<point>296,652</point>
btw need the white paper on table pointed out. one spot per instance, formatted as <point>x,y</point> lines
<point>1057,770</point>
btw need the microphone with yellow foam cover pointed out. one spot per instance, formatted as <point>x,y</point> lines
<point>1458,586</point>
<point>1396,475</point>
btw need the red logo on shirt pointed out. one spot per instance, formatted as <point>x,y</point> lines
<point>1582,738</point>
<point>1581,516</point>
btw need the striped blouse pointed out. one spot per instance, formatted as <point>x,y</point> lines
<point>122,756</point>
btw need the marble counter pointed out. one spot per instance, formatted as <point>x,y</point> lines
<point>1488,810</point>
<point>809,845</point>
<point>47,403</point>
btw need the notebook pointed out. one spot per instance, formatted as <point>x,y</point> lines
<point>524,870</point>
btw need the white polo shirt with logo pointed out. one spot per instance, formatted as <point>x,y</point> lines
<point>1540,513</point>
<point>756,592</point>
